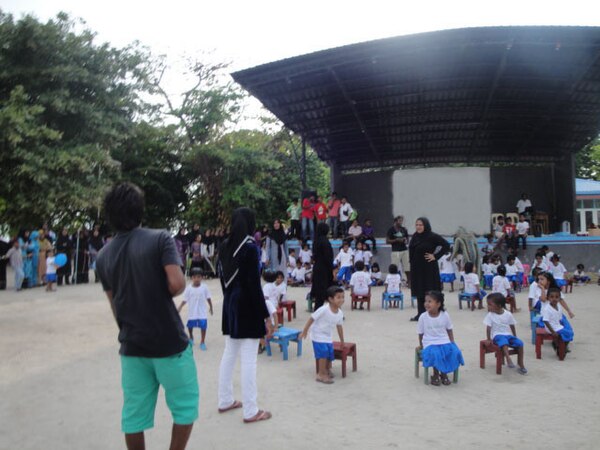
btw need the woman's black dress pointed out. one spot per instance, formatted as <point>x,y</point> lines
<point>323,267</point>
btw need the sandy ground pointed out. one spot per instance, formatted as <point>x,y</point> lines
<point>60,384</point>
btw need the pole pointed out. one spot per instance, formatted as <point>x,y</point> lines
<point>303,165</point>
<point>76,274</point>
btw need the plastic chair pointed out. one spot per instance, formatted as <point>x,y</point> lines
<point>283,337</point>
<point>513,216</point>
<point>419,359</point>
<point>387,298</point>
<point>486,346</point>
<point>541,335</point>
<point>469,298</point>
<point>495,218</point>
<point>342,353</point>
<point>361,299</point>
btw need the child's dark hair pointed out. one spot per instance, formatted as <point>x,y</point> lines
<point>468,267</point>
<point>539,255</point>
<point>497,299</point>
<point>510,258</point>
<point>124,206</point>
<point>501,270</point>
<point>580,266</point>
<point>486,259</point>
<point>278,274</point>
<point>536,271</point>
<point>292,250</point>
<point>359,266</point>
<point>438,297</point>
<point>393,269</point>
<point>551,280</point>
<point>194,271</point>
<point>554,290</point>
<point>375,266</point>
<point>555,257</point>
<point>269,276</point>
<point>332,290</point>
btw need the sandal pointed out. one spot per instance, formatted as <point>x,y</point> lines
<point>445,380</point>
<point>260,415</point>
<point>324,381</point>
<point>234,405</point>
<point>435,381</point>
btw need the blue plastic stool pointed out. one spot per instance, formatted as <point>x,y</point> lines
<point>282,337</point>
<point>534,318</point>
<point>463,297</point>
<point>387,298</point>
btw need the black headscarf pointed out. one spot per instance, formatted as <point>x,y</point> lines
<point>322,246</point>
<point>243,222</point>
<point>417,238</point>
<point>279,237</point>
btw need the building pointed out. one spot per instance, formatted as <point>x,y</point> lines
<point>588,204</point>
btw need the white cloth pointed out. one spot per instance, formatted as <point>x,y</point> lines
<point>324,321</point>
<point>270,293</point>
<point>511,269</point>
<point>519,265</point>
<point>522,228</point>
<point>272,310</point>
<point>196,298</point>
<point>376,276</point>
<point>305,256</point>
<point>535,292</point>
<point>291,262</point>
<point>393,281</point>
<point>494,268</point>
<point>344,259</point>
<point>367,256</point>
<point>471,283</point>
<point>522,205</point>
<point>299,274</point>
<point>548,259</point>
<point>552,316</point>
<point>50,266</point>
<point>248,348</point>
<point>500,323</point>
<point>281,291</point>
<point>359,255</point>
<point>500,284</point>
<point>360,282</point>
<point>447,265</point>
<point>434,329</point>
<point>345,212</point>
<point>487,269</point>
<point>558,271</point>
<point>542,265</point>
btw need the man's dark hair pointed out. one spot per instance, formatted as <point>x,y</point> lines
<point>124,206</point>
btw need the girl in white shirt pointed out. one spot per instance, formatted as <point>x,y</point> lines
<point>436,338</point>
<point>447,271</point>
<point>501,285</point>
<point>558,271</point>
<point>376,275</point>
<point>488,272</point>
<point>472,286</point>
<point>554,319</point>
<point>393,283</point>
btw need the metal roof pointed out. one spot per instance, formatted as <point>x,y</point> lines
<point>587,187</point>
<point>473,95</point>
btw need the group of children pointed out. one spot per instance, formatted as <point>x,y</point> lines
<point>15,258</point>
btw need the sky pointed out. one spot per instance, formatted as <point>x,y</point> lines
<point>247,33</point>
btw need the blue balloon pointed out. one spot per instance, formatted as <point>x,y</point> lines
<point>60,259</point>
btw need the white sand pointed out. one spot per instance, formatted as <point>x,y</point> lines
<point>60,384</point>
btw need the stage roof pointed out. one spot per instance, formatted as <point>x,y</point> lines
<point>474,95</point>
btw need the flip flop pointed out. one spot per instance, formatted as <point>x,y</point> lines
<point>234,405</point>
<point>260,415</point>
<point>435,381</point>
<point>324,381</point>
<point>522,370</point>
<point>446,381</point>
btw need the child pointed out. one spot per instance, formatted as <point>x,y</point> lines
<point>488,248</point>
<point>50,270</point>
<point>321,323</point>
<point>436,338</point>
<point>472,286</point>
<point>291,262</point>
<point>305,254</point>
<point>281,286</point>
<point>554,319</point>
<point>345,260</point>
<point>393,281</point>
<point>538,263</point>
<point>367,255</point>
<point>546,282</point>
<point>376,275</point>
<point>360,282</point>
<point>535,291</point>
<point>270,291</point>
<point>359,254</point>
<point>447,271</point>
<point>500,329</point>
<point>501,285</point>
<point>196,295</point>
<point>558,271</point>
<point>488,275</point>
<point>298,275</point>
<point>511,271</point>
<point>579,275</point>
<point>522,231</point>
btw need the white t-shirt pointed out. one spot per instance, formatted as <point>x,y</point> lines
<point>281,290</point>
<point>579,273</point>
<point>345,211</point>
<point>291,262</point>
<point>552,316</point>
<point>522,205</point>
<point>305,256</point>
<point>548,259</point>
<point>344,259</point>
<point>196,299</point>
<point>519,265</point>
<point>263,256</point>
<point>471,283</point>
<point>50,266</point>
<point>324,322</point>
<point>447,265</point>
<point>367,255</point>
<point>494,268</point>
<point>522,228</point>
<point>542,265</point>
<point>375,275</point>
<point>393,281</point>
<point>500,323</point>
<point>359,255</point>
<point>299,274</point>
<point>271,294</point>
<point>434,329</point>
<point>487,269</point>
<point>500,284</point>
<point>360,282</point>
<point>511,269</point>
<point>558,271</point>
<point>535,292</point>
<point>272,310</point>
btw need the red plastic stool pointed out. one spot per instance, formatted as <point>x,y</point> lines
<point>486,346</point>
<point>342,352</point>
<point>362,299</point>
<point>290,307</point>
<point>541,335</point>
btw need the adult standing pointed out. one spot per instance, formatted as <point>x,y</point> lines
<point>333,219</point>
<point>94,246</point>
<point>244,315</point>
<point>345,213</point>
<point>4,248</point>
<point>322,277</point>
<point>44,245</point>
<point>308,217</point>
<point>277,249</point>
<point>523,204</point>
<point>140,271</point>
<point>64,244</point>
<point>293,213</point>
<point>82,266</point>
<point>425,248</point>
<point>397,237</point>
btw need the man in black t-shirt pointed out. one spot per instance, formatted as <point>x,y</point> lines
<point>397,237</point>
<point>140,273</point>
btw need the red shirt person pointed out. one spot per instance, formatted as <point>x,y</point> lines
<point>320,210</point>
<point>308,217</point>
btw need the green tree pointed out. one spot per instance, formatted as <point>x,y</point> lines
<point>66,103</point>
<point>587,161</point>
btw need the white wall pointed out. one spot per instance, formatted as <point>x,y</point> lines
<point>449,197</point>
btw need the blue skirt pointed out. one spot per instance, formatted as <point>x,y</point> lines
<point>488,280</point>
<point>445,357</point>
<point>447,277</point>
<point>566,334</point>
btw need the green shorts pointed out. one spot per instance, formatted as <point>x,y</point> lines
<point>141,377</point>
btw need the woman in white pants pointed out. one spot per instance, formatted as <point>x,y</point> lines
<point>244,315</point>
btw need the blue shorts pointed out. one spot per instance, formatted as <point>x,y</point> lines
<point>198,323</point>
<point>512,278</point>
<point>447,277</point>
<point>345,273</point>
<point>323,350</point>
<point>141,378</point>
<point>561,282</point>
<point>50,277</point>
<point>506,339</point>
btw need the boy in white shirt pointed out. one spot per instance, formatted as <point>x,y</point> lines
<point>270,291</point>
<point>291,262</point>
<point>579,276</point>
<point>321,323</point>
<point>197,295</point>
<point>552,315</point>
<point>447,271</point>
<point>558,271</point>
<point>305,254</point>
<point>522,230</point>
<point>500,329</point>
<point>345,261</point>
<point>298,277</point>
<point>472,286</point>
<point>539,262</point>
<point>360,282</point>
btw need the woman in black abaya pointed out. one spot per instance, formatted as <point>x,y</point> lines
<point>323,268</point>
<point>425,248</point>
